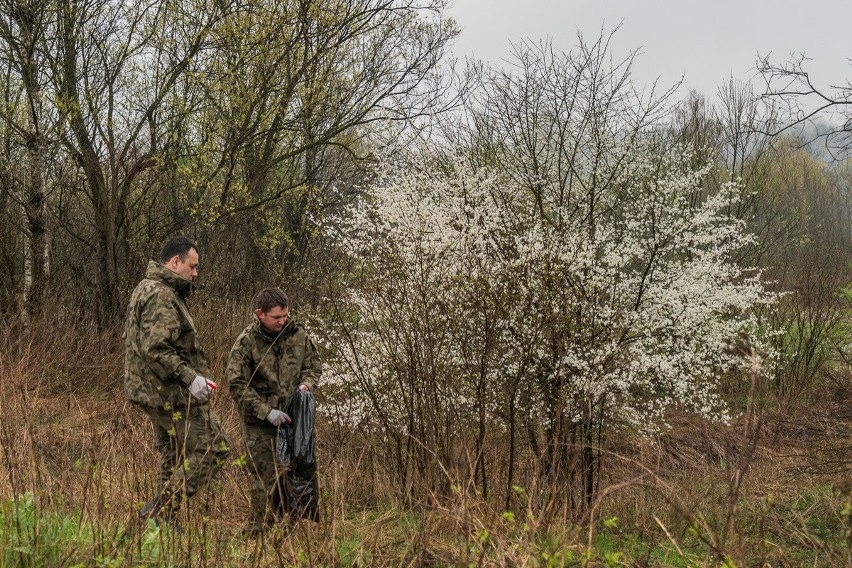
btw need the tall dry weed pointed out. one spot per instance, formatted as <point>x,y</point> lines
<point>68,438</point>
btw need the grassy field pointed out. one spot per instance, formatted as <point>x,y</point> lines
<point>78,461</point>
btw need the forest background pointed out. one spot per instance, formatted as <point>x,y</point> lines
<point>564,320</point>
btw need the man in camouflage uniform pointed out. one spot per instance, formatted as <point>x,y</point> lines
<point>270,359</point>
<point>167,376</point>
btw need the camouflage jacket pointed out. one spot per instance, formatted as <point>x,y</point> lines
<point>264,370</point>
<point>162,350</point>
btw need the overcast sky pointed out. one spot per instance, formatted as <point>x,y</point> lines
<point>705,41</point>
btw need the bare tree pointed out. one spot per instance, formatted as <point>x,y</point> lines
<point>790,85</point>
<point>286,108</point>
<point>116,65</point>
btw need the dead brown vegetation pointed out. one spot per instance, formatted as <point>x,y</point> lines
<point>69,437</point>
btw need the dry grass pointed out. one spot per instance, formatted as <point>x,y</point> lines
<point>68,437</point>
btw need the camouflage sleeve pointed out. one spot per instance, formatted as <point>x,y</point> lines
<point>311,365</point>
<point>161,329</point>
<point>238,375</point>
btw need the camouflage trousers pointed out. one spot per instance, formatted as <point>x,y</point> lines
<point>192,448</point>
<point>272,497</point>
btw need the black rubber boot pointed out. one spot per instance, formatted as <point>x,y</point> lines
<point>151,509</point>
<point>163,509</point>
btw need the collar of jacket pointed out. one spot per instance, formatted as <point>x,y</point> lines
<point>269,337</point>
<point>157,271</point>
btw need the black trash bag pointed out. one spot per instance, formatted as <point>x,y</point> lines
<point>296,442</point>
<point>297,452</point>
<point>302,409</point>
<point>284,455</point>
<point>303,492</point>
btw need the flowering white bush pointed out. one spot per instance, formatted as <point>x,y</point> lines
<point>470,297</point>
<point>633,308</point>
<point>420,241</point>
<point>563,269</point>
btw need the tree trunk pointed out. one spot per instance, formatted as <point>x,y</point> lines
<point>35,203</point>
<point>36,206</point>
<point>108,285</point>
<point>87,158</point>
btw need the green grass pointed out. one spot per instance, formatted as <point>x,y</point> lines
<point>31,537</point>
<point>36,532</point>
<point>630,548</point>
<point>28,538</point>
<point>351,552</point>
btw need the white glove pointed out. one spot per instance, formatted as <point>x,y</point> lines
<point>201,388</point>
<point>278,418</point>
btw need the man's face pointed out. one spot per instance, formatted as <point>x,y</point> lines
<point>188,269</point>
<point>274,319</point>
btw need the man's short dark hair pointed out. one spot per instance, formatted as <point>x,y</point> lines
<point>268,298</point>
<point>179,246</point>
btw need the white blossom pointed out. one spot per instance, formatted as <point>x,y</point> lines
<point>636,303</point>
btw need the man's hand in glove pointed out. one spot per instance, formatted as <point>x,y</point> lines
<point>278,418</point>
<point>201,388</point>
